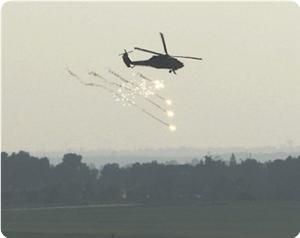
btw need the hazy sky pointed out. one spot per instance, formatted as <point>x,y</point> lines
<point>246,91</point>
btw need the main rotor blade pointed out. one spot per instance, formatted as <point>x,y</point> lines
<point>163,41</point>
<point>186,57</point>
<point>148,51</point>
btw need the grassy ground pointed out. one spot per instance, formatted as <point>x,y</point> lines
<point>232,220</point>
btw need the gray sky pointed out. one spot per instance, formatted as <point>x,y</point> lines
<point>244,93</point>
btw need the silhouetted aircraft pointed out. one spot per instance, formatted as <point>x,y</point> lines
<point>159,61</point>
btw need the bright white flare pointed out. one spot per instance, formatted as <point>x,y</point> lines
<point>170,113</point>
<point>168,101</point>
<point>158,84</point>
<point>172,127</point>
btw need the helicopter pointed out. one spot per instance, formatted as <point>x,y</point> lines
<point>159,60</point>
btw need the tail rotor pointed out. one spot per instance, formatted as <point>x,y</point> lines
<point>126,59</point>
<point>126,52</point>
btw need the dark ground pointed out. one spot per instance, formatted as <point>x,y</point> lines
<point>230,220</point>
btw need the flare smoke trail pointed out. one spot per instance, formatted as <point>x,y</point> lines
<point>167,101</point>
<point>120,86</point>
<point>135,85</point>
<point>121,78</point>
<point>93,73</point>
<point>89,84</point>
<point>170,126</point>
<point>143,77</point>
<point>129,89</point>
<point>151,80</point>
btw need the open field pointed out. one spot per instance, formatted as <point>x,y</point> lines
<point>231,220</point>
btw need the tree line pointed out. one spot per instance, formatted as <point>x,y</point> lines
<point>31,181</point>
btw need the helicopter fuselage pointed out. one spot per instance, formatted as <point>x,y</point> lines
<point>160,62</point>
